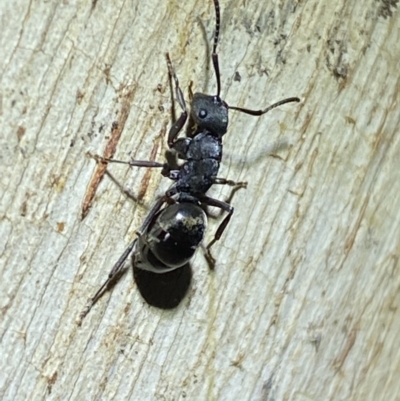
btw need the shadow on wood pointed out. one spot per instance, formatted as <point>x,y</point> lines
<point>164,291</point>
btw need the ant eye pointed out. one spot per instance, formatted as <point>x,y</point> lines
<point>202,113</point>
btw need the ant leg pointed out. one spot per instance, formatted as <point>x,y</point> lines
<point>116,270</point>
<point>111,276</point>
<point>224,181</point>
<point>209,258</point>
<point>226,207</point>
<point>137,163</point>
<point>131,163</point>
<point>190,89</point>
<point>180,122</point>
<point>236,187</point>
<point>125,190</point>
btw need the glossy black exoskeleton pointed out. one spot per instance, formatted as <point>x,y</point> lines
<point>176,224</point>
<point>172,237</point>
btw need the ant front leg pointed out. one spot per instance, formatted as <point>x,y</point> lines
<point>180,122</point>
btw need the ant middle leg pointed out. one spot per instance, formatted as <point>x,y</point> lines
<point>131,163</point>
<point>226,207</point>
<point>166,168</point>
<point>237,185</point>
<point>224,181</point>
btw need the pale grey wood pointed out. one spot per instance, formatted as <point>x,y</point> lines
<point>304,302</point>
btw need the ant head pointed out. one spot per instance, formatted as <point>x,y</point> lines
<point>210,113</point>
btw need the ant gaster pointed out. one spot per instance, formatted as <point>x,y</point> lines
<point>170,235</point>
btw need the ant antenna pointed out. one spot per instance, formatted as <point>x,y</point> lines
<point>214,53</point>
<point>217,73</point>
<point>263,111</point>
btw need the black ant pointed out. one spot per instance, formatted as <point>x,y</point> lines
<point>175,226</point>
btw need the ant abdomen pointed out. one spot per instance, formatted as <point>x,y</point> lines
<point>172,239</point>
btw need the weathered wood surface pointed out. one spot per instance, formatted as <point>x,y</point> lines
<point>304,302</point>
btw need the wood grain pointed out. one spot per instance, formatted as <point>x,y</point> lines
<point>304,301</point>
